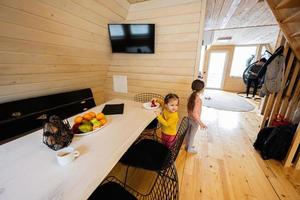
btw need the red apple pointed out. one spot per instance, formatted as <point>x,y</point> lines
<point>153,103</point>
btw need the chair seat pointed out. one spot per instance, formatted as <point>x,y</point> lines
<point>111,191</point>
<point>147,154</point>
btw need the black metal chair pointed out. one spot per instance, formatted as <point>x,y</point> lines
<point>151,129</point>
<point>165,187</point>
<point>152,155</point>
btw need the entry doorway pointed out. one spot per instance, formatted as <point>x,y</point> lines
<point>214,69</point>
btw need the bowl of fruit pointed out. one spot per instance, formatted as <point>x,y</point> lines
<point>153,104</point>
<point>88,123</point>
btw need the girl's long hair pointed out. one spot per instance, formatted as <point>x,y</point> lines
<point>197,86</point>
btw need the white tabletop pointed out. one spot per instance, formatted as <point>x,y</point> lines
<point>29,170</point>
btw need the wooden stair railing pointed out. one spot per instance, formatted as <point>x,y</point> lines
<point>285,102</point>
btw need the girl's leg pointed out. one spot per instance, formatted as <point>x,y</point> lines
<point>193,128</point>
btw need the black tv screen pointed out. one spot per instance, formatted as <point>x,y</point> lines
<point>132,38</point>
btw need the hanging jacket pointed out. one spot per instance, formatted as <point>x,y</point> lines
<point>274,76</point>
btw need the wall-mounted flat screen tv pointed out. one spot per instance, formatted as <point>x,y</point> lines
<point>132,38</point>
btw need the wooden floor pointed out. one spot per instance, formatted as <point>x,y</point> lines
<point>228,167</point>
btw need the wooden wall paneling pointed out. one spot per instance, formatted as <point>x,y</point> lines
<point>124,3</point>
<point>29,69</point>
<point>62,43</point>
<point>152,62</point>
<point>201,31</point>
<point>293,148</point>
<point>278,99</point>
<point>181,88</point>
<point>115,7</point>
<point>77,16</point>
<point>91,5</point>
<point>174,55</point>
<point>293,102</point>
<point>33,78</point>
<point>15,16</point>
<point>158,4</point>
<point>179,9</point>
<point>154,77</point>
<point>42,88</point>
<point>177,40</point>
<point>19,45</point>
<point>25,58</point>
<point>288,93</point>
<point>20,32</point>
<point>185,18</point>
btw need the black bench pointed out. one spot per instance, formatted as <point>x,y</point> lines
<point>22,117</point>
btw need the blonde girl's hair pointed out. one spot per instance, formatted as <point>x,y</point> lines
<point>170,96</point>
<point>197,86</point>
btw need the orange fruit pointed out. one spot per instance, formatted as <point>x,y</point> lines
<point>93,114</point>
<point>87,116</point>
<point>78,120</point>
<point>100,116</point>
<point>103,121</point>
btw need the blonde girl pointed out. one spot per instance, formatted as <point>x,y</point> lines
<point>169,119</point>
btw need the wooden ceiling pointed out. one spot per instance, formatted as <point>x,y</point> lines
<point>245,21</point>
<point>287,13</point>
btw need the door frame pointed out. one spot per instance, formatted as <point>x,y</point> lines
<point>221,49</point>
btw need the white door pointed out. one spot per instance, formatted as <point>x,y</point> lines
<point>215,69</point>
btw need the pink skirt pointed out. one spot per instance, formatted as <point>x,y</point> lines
<point>168,140</point>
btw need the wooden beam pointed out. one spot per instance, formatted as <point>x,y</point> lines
<point>297,165</point>
<point>285,28</point>
<point>241,27</point>
<point>293,79</point>
<point>293,18</point>
<point>293,148</point>
<point>264,104</point>
<point>234,5</point>
<point>296,34</point>
<point>280,39</point>
<point>293,102</point>
<point>268,110</point>
<point>288,4</point>
<point>286,99</point>
<point>286,48</point>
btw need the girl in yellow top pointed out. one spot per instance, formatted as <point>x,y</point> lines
<point>169,119</point>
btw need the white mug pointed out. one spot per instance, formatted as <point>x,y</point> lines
<point>66,155</point>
